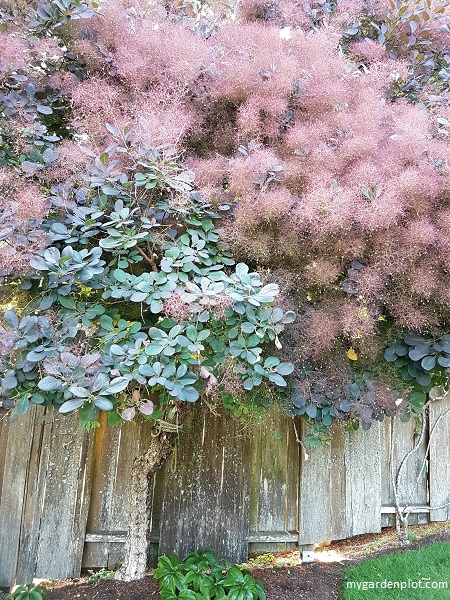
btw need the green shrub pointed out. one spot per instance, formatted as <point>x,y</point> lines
<point>27,592</point>
<point>202,577</point>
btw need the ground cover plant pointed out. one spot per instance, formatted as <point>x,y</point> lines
<point>423,573</point>
<point>202,576</point>
<point>182,183</point>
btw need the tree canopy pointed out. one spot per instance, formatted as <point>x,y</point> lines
<point>147,148</point>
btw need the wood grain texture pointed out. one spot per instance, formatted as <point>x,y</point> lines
<point>362,456</point>
<point>66,500</point>
<point>13,493</point>
<point>206,499</point>
<point>439,464</point>
<point>412,485</point>
<point>274,474</point>
<point>36,481</point>
<point>114,451</point>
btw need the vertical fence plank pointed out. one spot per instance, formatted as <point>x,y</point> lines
<point>115,449</point>
<point>107,446</point>
<point>412,485</point>
<point>4,434</point>
<point>440,459</point>
<point>206,501</point>
<point>29,534</point>
<point>133,443</point>
<point>67,495</point>
<point>362,456</point>
<point>322,498</point>
<point>13,493</point>
<point>274,471</point>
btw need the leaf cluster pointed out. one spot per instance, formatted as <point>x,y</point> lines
<point>423,363</point>
<point>118,241</point>
<point>202,577</point>
<point>27,592</point>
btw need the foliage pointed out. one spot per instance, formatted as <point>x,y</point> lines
<point>223,317</point>
<point>425,567</point>
<point>27,592</point>
<point>201,576</point>
<point>323,148</point>
<point>101,575</point>
<point>423,363</point>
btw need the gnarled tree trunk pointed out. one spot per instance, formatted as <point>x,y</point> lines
<point>143,471</point>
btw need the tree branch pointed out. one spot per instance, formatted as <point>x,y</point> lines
<point>148,259</point>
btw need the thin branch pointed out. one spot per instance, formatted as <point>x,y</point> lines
<point>405,512</point>
<point>442,416</point>
<point>299,441</point>
<point>147,258</point>
<point>414,449</point>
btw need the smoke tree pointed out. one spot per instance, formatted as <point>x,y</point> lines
<point>167,169</point>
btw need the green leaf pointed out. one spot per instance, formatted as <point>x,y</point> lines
<point>285,368</point>
<point>390,355</point>
<point>117,350</point>
<point>428,363</point>
<point>79,392</point>
<point>23,405</point>
<point>11,319</point>
<point>277,379</point>
<point>50,384</point>
<point>114,418</point>
<point>189,394</point>
<point>423,379</point>
<point>110,191</point>
<point>153,349</point>
<point>68,303</point>
<point>203,335</point>
<point>71,405</point>
<point>103,403</point>
<point>191,332</point>
<point>37,399</point>
<point>139,297</point>
<point>117,385</point>
<point>247,327</point>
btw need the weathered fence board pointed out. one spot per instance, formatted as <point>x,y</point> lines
<point>412,485</point>
<point>67,497</point>
<point>322,489</point>
<point>206,501</point>
<point>362,457</point>
<point>229,485</point>
<point>440,459</point>
<point>114,451</point>
<point>36,482</point>
<point>13,493</point>
<point>274,484</point>
<point>4,432</point>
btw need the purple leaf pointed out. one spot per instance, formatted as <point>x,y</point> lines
<point>147,408</point>
<point>128,414</point>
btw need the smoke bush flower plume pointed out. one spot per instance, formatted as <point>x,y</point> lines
<point>308,138</point>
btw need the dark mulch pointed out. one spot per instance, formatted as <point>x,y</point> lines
<point>312,581</point>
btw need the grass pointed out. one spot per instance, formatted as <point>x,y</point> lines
<point>411,569</point>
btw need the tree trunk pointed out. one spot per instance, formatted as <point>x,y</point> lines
<point>143,471</point>
<point>401,524</point>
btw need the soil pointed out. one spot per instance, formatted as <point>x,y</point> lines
<point>283,577</point>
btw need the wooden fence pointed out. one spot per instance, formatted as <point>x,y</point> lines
<point>228,485</point>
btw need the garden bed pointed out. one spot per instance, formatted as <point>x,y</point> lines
<point>282,576</point>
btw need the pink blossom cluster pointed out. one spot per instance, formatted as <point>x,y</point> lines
<point>320,165</point>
